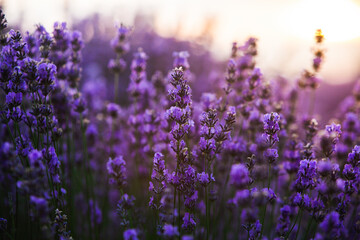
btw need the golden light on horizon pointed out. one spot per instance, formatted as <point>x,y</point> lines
<point>337,19</point>
<point>285,29</point>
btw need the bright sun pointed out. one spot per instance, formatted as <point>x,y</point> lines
<point>338,19</point>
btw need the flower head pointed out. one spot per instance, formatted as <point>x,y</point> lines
<point>239,175</point>
<point>117,171</point>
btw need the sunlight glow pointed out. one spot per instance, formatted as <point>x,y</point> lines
<point>338,19</point>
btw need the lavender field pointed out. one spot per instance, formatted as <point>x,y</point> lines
<point>146,137</point>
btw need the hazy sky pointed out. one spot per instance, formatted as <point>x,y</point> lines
<point>285,28</point>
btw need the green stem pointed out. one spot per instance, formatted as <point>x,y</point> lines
<point>17,214</point>
<point>308,228</point>
<point>12,137</point>
<point>116,87</point>
<point>297,216</point>
<point>207,213</point>
<point>269,177</point>
<point>264,214</point>
<point>87,181</point>
<point>299,225</point>
<point>262,221</point>
<point>179,219</point>
<point>174,206</point>
<point>316,226</point>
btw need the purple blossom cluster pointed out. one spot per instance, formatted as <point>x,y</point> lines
<point>238,162</point>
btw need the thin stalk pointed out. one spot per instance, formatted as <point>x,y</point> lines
<point>179,219</point>
<point>297,216</point>
<point>12,137</point>
<point>207,213</point>
<point>87,182</point>
<point>274,206</point>
<point>269,177</point>
<point>262,221</point>
<point>308,228</point>
<point>71,168</point>
<point>174,206</point>
<point>88,191</point>
<point>316,226</point>
<point>116,87</point>
<point>222,196</point>
<point>206,200</point>
<point>176,173</point>
<point>264,214</point>
<point>13,227</point>
<point>8,235</point>
<point>32,136</point>
<point>299,225</point>
<point>17,213</point>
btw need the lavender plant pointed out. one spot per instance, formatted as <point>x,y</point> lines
<point>240,163</point>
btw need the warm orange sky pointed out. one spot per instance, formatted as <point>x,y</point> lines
<point>285,28</point>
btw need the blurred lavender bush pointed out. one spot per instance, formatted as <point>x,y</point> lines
<point>108,140</point>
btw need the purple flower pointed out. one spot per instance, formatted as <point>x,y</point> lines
<point>76,41</point>
<point>187,237</point>
<point>130,234</point>
<point>119,43</point>
<point>297,199</point>
<point>41,207</point>
<point>334,129</point>
<point>271,155</point>
<point>170,231</point>
<point>180,93</point>
<point>188,222</point>
<point>208,100</point>
<point>190,200</point>
<point>329,140</point>
<point>255,230</point>
<point>60,224</point>
<point>271,127</point>
<point>53,163</point>
<point>354,156</point>
<point>254,78</point>
<point>351,122</point>
<point>113,110</point>
<point>34,156</point>
<point>179,115</point>
<point>283,225</point>
<point>332,226</point>
<point>126,201</point>
<point>239,175</point>
<point>46,73</point>
<point>139,85</point>
<point>269,194</point>
<point>14,99</point>
<point>242,197</point>
<point>23,146</point>
<point>138,64</point>
<point>117,65</point>
<point>204,178</point>
<point>324,168</point>
<point>117,171</point>
<point>306,175</point>
<point>249,215</point>
<point>207,146</point>
<point>181,60</point>
<point>349,172</point>
<point>302,200</point>
<point>158,167</point>
<point>3,225</point>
